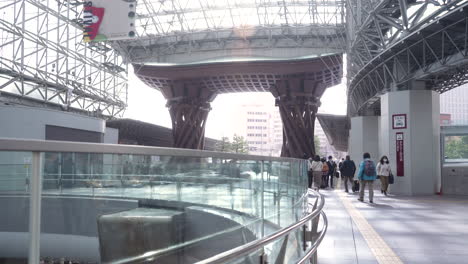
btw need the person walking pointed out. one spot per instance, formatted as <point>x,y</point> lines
<point>367,175</point>
<point>340,165</point>
<point>347,170</point>
<point>325,170</point>
<point>384,171</point>
<point>331,170</point>
<point>316,167</point>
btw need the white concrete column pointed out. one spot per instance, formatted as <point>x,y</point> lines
<point>364,137</point>
<point>421,139</point>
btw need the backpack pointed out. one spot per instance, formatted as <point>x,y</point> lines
<point>369,168</point>
<point>325,167</point>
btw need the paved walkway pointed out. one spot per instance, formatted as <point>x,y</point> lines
<point>395,229</point>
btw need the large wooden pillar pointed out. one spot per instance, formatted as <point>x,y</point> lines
<point>189,105</point>
<point>298,100</point>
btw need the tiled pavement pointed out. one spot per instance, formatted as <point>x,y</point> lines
<point>343,243</point>
<point>417,229</point>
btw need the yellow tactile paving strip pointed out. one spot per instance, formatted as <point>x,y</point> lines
<point>382,252</point>
<point>432,201</point>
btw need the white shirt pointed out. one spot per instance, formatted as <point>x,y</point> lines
<point>383,169</point>
<point>316,165</point>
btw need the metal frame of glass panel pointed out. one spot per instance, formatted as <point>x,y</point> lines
<point>446,132</point>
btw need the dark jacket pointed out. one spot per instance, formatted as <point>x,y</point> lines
<point>348,168</point>
<point>331,167</point>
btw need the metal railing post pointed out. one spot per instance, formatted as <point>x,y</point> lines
<point>314,259</point>
<point>231,193</point>
<point>278,197</point>
<point>178,189</point>
<point>263,258</point>
<point>35,209</point>
<point>60,173</point>
<point>262,201</point>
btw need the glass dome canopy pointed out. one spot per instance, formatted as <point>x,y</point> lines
<point>173,17</point>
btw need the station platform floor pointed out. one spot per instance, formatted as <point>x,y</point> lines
<point>395,229</point>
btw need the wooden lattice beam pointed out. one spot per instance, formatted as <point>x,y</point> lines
<point>189,105</point>
<point>298,101</point>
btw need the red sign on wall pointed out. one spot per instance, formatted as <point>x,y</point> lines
<point>400,156</point>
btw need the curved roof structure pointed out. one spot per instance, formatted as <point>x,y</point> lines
<point>398,41</point>
<point>135,132</point>
<point>336,128</point>
<point>243,76</point>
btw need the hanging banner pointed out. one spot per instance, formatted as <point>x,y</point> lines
<point>400,156</point>
<point>108,20</point>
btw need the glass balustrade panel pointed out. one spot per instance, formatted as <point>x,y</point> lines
<point>15,176</point>
<point>254,198</point>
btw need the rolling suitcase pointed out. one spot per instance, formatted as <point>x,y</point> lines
<point>355,186</point>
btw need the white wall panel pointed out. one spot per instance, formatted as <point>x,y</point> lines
<point>29,123</point>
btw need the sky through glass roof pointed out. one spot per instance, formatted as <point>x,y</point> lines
<point>172,17</point>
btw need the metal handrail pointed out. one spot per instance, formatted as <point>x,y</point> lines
<point>317,242</point>
<point>38,146</point>
<point>254,245</point>
<point>161,252</point>
<point>247,248</point>
<point>7,144</point>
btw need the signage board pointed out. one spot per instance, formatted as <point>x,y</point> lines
<point>108,20</point>
<point>399,121</point>
<point>400,155</point>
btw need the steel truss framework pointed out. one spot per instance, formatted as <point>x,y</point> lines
<point>43,60</point>
<point>393,42</point>
<point>188,26</point>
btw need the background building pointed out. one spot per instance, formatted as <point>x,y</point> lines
<point>455,103</point>
<point>445,119</point>
<point>262,128</point>
<point>325,149</point>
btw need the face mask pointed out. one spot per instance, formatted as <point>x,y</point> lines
<point>385,160</point>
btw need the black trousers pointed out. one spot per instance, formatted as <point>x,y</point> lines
<point>324,181</point>
<point>330,177</point>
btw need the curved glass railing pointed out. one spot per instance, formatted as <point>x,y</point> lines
<point>236,208</point>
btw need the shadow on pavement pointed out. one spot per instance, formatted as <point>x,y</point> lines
<point>381,205</point>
